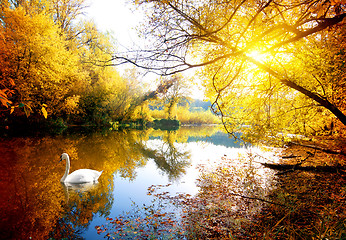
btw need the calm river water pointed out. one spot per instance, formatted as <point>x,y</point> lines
<point>35,205</point>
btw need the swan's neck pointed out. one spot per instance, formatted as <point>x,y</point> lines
<point>67,169</point>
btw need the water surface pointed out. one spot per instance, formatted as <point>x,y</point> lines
<point>35,205</point>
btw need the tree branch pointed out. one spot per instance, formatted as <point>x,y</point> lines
<point>326,22</point>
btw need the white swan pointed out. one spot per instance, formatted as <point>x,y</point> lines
<point>78,176</point>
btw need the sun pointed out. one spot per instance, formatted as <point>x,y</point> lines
<point>258,56</point>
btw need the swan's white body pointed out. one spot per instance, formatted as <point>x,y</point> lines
<point>78,176</point>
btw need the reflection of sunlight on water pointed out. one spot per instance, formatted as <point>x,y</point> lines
<point>210,156</point>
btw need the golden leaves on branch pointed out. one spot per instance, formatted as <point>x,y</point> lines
<point>35,63</point>
<point>3,98</point>
<point>44,111</point>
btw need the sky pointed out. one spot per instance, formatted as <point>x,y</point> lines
<point>119,18</point>
<point>116,17</point>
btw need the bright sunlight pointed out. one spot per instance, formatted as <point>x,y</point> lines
<point>258,56</point>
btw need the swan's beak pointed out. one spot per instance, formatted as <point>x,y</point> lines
<point>60,158</point>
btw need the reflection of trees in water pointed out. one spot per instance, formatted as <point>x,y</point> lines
<point>32,203</point>
<point>32,200</point>
<point>120,152</point>
<point>29,189</point>
<point>168,158</point>
<point>82,203</point>
<point>114,152</point>
<point>64,230</point>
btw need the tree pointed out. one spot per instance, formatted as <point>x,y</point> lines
<point>39,69</point>
<point>138,108</point>
<point>6,81</point>
<point>174,94</point>
<point>227,38</point>
<point>64,12</point>
<point>47,59</point>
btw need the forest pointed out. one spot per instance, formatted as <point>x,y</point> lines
<point>278,68</point>
<point>51,74</point>
<point>271,70</point>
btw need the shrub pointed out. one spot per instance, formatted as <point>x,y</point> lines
<point>185,116</point>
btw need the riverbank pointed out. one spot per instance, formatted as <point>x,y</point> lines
<point>32,127</point>
<point>314,201</point>
<point>297,205</point>
<point>308,204</point>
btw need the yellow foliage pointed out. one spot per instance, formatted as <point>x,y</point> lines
<point>187,117</point>
<point>51,64</point>
<point>43,69</point>
<point>44,112</point>
<point>252,55</point>
<point>71,104</point>
<point>3,98</point>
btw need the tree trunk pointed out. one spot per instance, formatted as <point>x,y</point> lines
<point>292,167</point>
<point>326,150</point>
<point>322,101</point>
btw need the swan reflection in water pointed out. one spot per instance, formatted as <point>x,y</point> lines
<point>78,188</point>
<point>81,187</point>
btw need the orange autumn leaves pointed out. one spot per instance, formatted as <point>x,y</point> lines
<point>35,65</point>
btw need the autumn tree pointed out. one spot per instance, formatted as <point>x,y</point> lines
<point>249,54</point>
<point>139,106</point>
<point>50,64</point>
<point>6,81</point>
<point>39,68</point>
<point>65,12</point>
<point>175,94</point>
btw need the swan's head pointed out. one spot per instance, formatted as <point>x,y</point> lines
<point>63,156</point>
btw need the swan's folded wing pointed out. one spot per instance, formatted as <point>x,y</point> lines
<point>80,176</point>
<point>83,176</point>
<point>97,174</point>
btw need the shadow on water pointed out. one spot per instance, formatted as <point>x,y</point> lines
<point>35,205</point>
